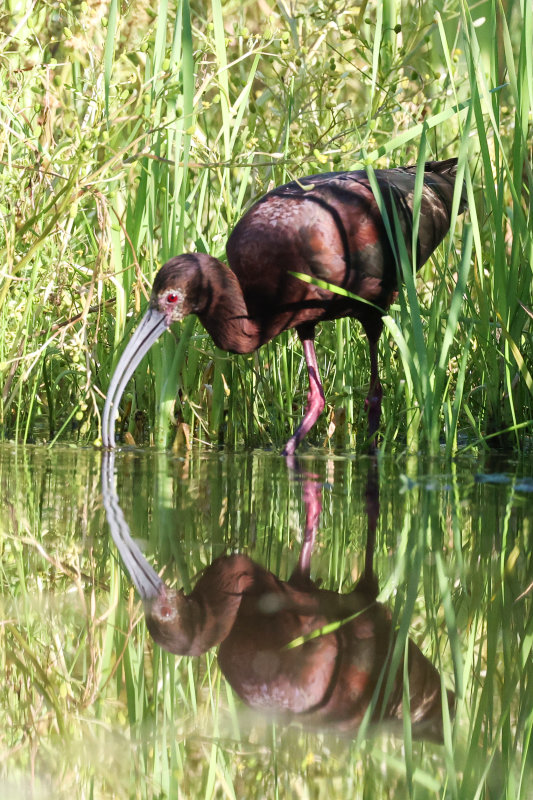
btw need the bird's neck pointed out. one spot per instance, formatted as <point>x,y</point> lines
<point>223,311</point>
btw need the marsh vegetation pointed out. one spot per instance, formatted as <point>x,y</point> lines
<point>130,136</point>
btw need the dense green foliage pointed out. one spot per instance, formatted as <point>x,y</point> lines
<point>131,134</point>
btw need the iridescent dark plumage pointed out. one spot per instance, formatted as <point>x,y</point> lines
<point>328,227</point>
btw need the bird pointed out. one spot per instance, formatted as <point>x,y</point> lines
<point>278,645</point>
<point>330,229</point>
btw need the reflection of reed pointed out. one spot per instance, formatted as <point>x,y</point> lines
<point>288,646</point>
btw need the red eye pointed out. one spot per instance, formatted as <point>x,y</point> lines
<point>172,297</point>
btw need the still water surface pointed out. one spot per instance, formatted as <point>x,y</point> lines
<point>357,629</point>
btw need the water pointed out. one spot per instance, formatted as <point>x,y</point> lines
<point>91,707</point>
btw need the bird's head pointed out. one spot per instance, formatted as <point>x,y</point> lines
<point>177,286</point>
<point>170,302</point>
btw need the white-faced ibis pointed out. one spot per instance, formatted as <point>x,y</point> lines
<point>327,227</point>
<point>327,680</point>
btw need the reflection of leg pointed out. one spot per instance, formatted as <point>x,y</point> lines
<point>368,581</point>
<point>315,396</point>
<point>313,507</point>
<point>312,497</point>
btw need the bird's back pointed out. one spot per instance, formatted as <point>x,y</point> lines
<point>329,227</point>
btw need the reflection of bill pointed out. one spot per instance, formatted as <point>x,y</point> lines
<point>288,646</point>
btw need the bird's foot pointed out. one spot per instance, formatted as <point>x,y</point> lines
<point>290,448</point>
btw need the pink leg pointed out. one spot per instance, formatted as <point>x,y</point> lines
<point>315,396</point>
<point>375,393</point>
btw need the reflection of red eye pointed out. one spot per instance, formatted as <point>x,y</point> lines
<point>172,297</point>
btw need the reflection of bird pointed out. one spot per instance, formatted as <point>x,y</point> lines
<point>327,227</point>
<point>331,677</point>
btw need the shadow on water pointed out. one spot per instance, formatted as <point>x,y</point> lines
<point>291,648</point>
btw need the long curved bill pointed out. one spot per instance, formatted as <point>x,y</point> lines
<point>149,329</point>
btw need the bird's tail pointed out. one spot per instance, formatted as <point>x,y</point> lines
<point>448,168</point>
